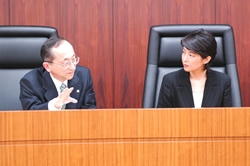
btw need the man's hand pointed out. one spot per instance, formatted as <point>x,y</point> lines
<point>64,98</point>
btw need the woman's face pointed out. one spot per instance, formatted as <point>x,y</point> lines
<point>192,61</point>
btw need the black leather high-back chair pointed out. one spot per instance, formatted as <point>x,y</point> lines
<point>19,53</point>
<point>164,56</point>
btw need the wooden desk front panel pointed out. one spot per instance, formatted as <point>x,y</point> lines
<point>126,137</point>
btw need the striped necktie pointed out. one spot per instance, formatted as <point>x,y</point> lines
<point>62,87</point>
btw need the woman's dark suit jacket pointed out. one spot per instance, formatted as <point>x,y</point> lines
<point>37,89</point>
<point>176,90</point>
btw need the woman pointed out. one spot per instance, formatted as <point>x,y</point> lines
<point>196,85</point>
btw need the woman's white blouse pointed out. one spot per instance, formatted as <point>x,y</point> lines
<point>197,99</point>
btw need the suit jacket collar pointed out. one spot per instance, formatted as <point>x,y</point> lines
<point>75,83</point>
<point>49,86</point>
<point>185,89</point>
<point>51,91</point>
<point>211,89</point>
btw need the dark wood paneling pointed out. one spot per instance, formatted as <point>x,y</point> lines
<point>236,14</point>
<point>4,12</point>
<point>87,25</point>
<point>132,21</point>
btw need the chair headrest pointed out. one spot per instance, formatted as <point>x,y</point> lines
<point>165,40</point>
<point>171,50</point>
<point>20,45</point>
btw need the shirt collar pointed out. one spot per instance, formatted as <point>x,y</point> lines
<point>58,83</point>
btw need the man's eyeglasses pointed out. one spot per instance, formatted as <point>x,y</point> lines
<point>67,63</point>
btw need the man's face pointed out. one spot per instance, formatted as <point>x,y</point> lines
<point>61,68</point>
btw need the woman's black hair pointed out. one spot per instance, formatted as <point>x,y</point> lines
<point>201,42</point>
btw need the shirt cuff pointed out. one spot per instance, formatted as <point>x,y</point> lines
<point>51,105</point>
